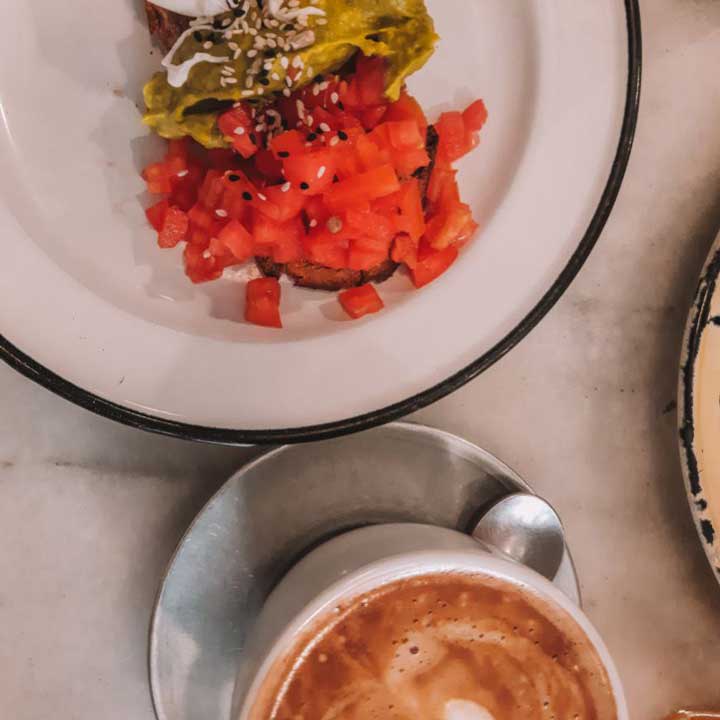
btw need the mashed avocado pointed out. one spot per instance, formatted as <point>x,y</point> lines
<point>400,30</point>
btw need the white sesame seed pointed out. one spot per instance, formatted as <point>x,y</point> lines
<point>239,131</point>
<point>231,80</point>
<point>321,21</point>
<point>313,223</point>
<point>233,45</point>
<point>261,127</point>
<point>275,77</point>
<point>286,92</point>
<point>207,45</point>
<point>284,62</point>
<point>183,173</point>
<point>316,90</point>
<point>334,225</point>
<point>221,213</point>
<point>321,172</point>
<point>247,93</point>
<point>261,196</point>
<point>285,187</point>
<point>237,54</point>
<point>207,254</point>
<point>334,141</point>
<point>324,127</point>
<point>310,120</point>
<point>334,98</point>
<point>252,53</point>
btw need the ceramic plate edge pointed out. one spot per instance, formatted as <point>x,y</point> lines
<point>24,364</point>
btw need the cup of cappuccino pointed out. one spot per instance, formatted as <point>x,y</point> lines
<point>415,622</point>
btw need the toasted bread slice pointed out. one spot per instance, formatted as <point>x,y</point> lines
<point>165,26</point>
<point>318,277</point>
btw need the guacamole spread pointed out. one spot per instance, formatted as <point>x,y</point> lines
<point>261,50</point>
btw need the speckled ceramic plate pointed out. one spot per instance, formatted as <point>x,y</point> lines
<point>699,408</point>
<point>92,309</point>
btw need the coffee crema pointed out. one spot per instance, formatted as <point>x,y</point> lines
<point>439,647</point>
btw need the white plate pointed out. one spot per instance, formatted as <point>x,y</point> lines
<point>92,309</point>
<point>699,410</point>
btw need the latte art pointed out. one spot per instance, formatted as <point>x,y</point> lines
<point>440,647</point>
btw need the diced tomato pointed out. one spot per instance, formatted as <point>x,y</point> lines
<point>211,190</point>
<point>289,246</point>
<point>407,108</point>
<point>369,224</point>
<point>324,248</point>
<point>431,264</point>
<point>157,178</point>
<point>174,228</point>
<point>404,250</point>
<point>283,202</point>
<point>455,139</point>
<point>364,187</point>
<point>156,214</point>
<point>448,226</point>
<point>442,182</point>
<point>179,148</point>
<point>185,189</point>
<point>475,116</point>
<point>405,134</point>
<point>238,240</point>
<point>412,216</point>
<point>200,264</point>
<point>316,212</point>
<point>369,154</point>
<point>313,173</point>
<point>373,116</point>
<point>370,79</point>
<point>366,252</point>
<point>236,126</point>
<point>262,302</point>
<point>361,301</point>
<point>281,240</point>
<point>268,166</point>
<point>221,158</point>
<point>288,143</point>
<point>201,217</point>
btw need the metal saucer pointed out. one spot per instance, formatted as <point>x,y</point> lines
<point>275,509</point>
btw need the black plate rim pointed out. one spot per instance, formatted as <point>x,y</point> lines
<point>24,364</point>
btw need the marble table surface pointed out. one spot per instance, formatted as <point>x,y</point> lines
<point>90,511</point>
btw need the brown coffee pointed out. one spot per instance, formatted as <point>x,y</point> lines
<point>440,647</point>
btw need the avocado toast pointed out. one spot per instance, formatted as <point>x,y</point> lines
<point>294,142</point>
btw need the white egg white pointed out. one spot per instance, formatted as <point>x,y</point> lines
<point>194,8</point>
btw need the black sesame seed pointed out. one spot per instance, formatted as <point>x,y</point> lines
<point>260,4</point>
<point>336,178</point>
<point>264,81</point>
<point>288,27</point>
<point>312,137</point>
<point>233,178</point>
<point>340,105</point>
<point>247,196</point>
<point>270,53</point>
<point>319,79</point>
<point>343,135</point>
<point>198,36</point>
<point>253,138</point>
<point>304,186</point>
<point>284,154</point>
<point>238,12</point>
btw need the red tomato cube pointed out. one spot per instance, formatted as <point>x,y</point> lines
<point>262,302</point>
<point>361,301</point>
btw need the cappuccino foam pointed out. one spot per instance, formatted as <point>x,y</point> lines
<point>439,647</point>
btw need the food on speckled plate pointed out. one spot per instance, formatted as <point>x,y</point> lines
<point>294,144</point>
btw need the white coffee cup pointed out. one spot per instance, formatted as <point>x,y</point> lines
<point>361,560</point>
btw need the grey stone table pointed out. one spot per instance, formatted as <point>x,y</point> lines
<point>90,511</point>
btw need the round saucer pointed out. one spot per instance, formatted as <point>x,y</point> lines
<point>275,509</point>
